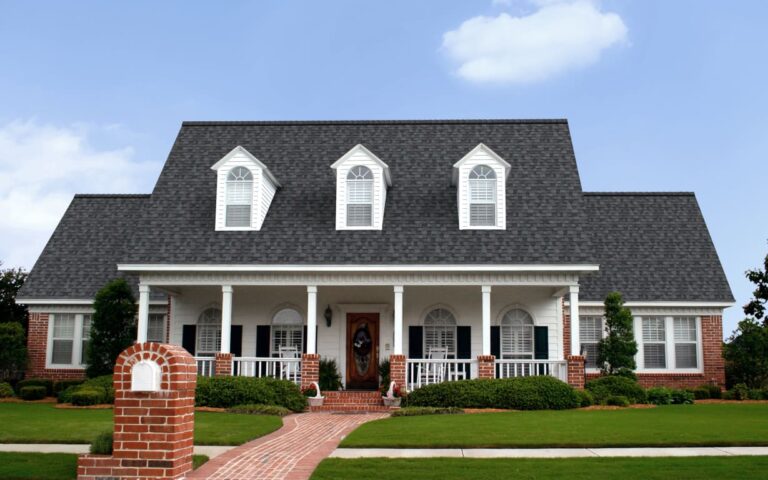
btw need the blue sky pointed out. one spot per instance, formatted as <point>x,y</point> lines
<point>660,95</point>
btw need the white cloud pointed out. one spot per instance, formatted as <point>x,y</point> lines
<point>41,167</point>
<point>559,36</point>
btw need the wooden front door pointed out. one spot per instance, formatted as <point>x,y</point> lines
<point>362,351</point>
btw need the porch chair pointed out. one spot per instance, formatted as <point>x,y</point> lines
<point>288,370</point>
<point>434,372</point>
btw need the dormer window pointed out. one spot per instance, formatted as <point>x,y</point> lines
<point>239,197</point>
<point>359,197</point>
<point>482,197</point>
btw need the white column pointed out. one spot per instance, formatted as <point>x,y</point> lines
<point>226,318</point>
<point>398,320</point>
<point>573,300</point>
<point>311,319</point>
<point>141,335</point>
<point>486,289</point>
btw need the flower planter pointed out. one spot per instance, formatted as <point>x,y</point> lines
<point>315,401</point>
<point>391,401</point>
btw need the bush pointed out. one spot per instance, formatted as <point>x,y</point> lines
<point>740,392</point>
<point>617,401</point>
<point>62,385</point>
<point>682,397</point>
<point>13,350</point>
<point>700,393</point>
<point>83,397</point>
<point>384,369</point>
<point>103,385</point>
<point>524,393</point>
<point>659,396</point>
<point>36,382</point>
<point>32,392</point>
<point>260,410</point>
<point>727,395</point>
<point>713,390</point>
<point>330,379</point>
<point>612,385</point>
<point>113,327</point>
<point>226,392</point>
<point>5,390</point>
<point>585,398</point>
<point>417,411</point>
<point>755,394</point>
<point>102,444</point>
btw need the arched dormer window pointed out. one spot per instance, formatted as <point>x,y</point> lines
<point>287,332</point>
<point>209,332</point>
<point>360,197</point>
<point>239,197</point>
<point>440,332</point>
<point>482,197</point>
<point>517,334</point>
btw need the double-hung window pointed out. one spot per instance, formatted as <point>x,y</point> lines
<point>440,332</point>
<point>209,332</point>
<point>686,346</point>
<point>654,342</point>
<point>287,332</point>
<point>590,334</point>
<point>482,197</point>
<point>517,335</point>
<point>156,328</point>
<point>360,197</point>
<point>239,197</point>
<point>69,334</point>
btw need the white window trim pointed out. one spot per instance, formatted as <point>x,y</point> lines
<point>361,156</point>
<point>461,180</point>
<point>77,345</point>
<point>500,323</point>
<point>669,346</point>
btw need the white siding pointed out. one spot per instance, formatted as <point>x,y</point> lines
<point>263,190</point>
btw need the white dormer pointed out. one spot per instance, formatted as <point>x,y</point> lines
<point>244,191</point>
<point>481,178</point>
<point>361,190</point>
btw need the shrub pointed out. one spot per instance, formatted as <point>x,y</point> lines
<point>103,385</point>
<point>330,379</point>
<point>62,385</point>
<point>417,411</point>
<point>102,444</point>
<point>740,391</point>
<point>727,395</point>
<point>524,393</point>
<point>226,392</point>
<point>86,396</point>
<point>113,327</point>
<point>682,397</point>
<point>260,410</point>
<point>700,393</point>
<point>36,382</point>
<point>384,369</point>
<point>585,398</point>
<point>713,390</point>
<point>659,396</point>
<point>5,390</point>
<point>617,401</point>
<point>32,392</point>
<point>755,394</point>
<point>13,350</point>
<point>612,385</point>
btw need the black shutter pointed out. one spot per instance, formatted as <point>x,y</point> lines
<point>496,341</point>
<point>415,342</point>
<point>189,338</point>
<point>262,340</point>
<point>236,340</point>
<point>304,341</point>
<point>464,342</point>
<point>540,343</point>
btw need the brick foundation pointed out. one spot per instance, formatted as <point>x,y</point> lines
<point>310,369</point>
<point>223,364</point>
<point>486,366</point>
<point>37,343</point>
<point>153,433</point>
<point>397,372</point>
<point>576,373</point>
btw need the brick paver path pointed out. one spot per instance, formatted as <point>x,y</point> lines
<point>290,453</point>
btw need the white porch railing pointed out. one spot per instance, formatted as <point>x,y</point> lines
<point>205,366</point>
<point>283,368</point>
<point>423,371</point>
<point>530,368</point>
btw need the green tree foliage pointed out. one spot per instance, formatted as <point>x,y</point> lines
<point>746,355</point>
<point>756,306</point>
<point>618,348</point>
<point>13,350</point>
<point>113,327</point>
<point>11,280</point>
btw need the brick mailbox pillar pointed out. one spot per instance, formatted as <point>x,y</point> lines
<point>310,369</point>
<point>397,371</point>
<point>154,416</point>
<point>486,366</point>
<point>576,373</point>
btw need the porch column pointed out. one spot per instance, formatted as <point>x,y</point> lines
<point>226,318</point>
<point>574,316</point>
<point>398,320</point>
<point>141,336</point>
<point>311,320</point>
<point>486,289</point>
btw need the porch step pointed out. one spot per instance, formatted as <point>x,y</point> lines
<point>352,408</point>
<point>352,401</point>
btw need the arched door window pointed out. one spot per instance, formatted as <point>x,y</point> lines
<point>517,334</point>
<point>209,332</point>
<point>440,332</point>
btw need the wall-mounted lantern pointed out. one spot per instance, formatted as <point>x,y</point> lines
<point>328,315</point>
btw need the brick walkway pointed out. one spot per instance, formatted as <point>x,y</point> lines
<point>291,453</point>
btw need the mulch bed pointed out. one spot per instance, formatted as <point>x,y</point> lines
<point>615,407</point>
<point>101,406</point>
<point>210,409</point>
<point>720,400</point>
<point>19,400</point>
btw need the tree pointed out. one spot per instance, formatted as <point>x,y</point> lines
<point>746,355</point>
<point>618,348</point>
<point>756,307</point>
<point>11,280</point>
<point>113,327</point>
<point>13,350</point>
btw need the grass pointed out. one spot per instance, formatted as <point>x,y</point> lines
<point>664,468</point>
<point>49,466</point>
<point>678,425</point>
<point>43,423</point>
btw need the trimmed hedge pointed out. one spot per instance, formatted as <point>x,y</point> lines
<point>617,401</point>
<point>260,410</point>
<point>523,393</point>
<point>226,392</point>
<point>36,382</point>
<point>6,390</point>
<point>585,398</point>
<point>32,392</point>
<point>614,385</point>
<point>659,396</point>
<point>418,411</point>
<point>83,397</point>
<point>102,385</point>
<point>62,385</point>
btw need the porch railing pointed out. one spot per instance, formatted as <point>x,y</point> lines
<point>422,371</point>
<point>530,368</point>
<point>205,366</point>
<point>283,368</point>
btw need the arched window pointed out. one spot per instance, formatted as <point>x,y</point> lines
<point>287,332</point>
<point>517,334</point>
<point>482,197</point>
<point>440,331</point>
<point>360,197</point>
<point>209,332</point>
<point>239,197</point>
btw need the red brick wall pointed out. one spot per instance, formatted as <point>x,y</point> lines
<point>310,369</point>
<point>397,366</point>
<point>223,364</point>
<point>576,375</point>
<point>486,366</point>
<point>37,342</point>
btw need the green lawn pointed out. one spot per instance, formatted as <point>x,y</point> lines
<point>720,468</point>
<point>43,423</point>
<point>679,425</point>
